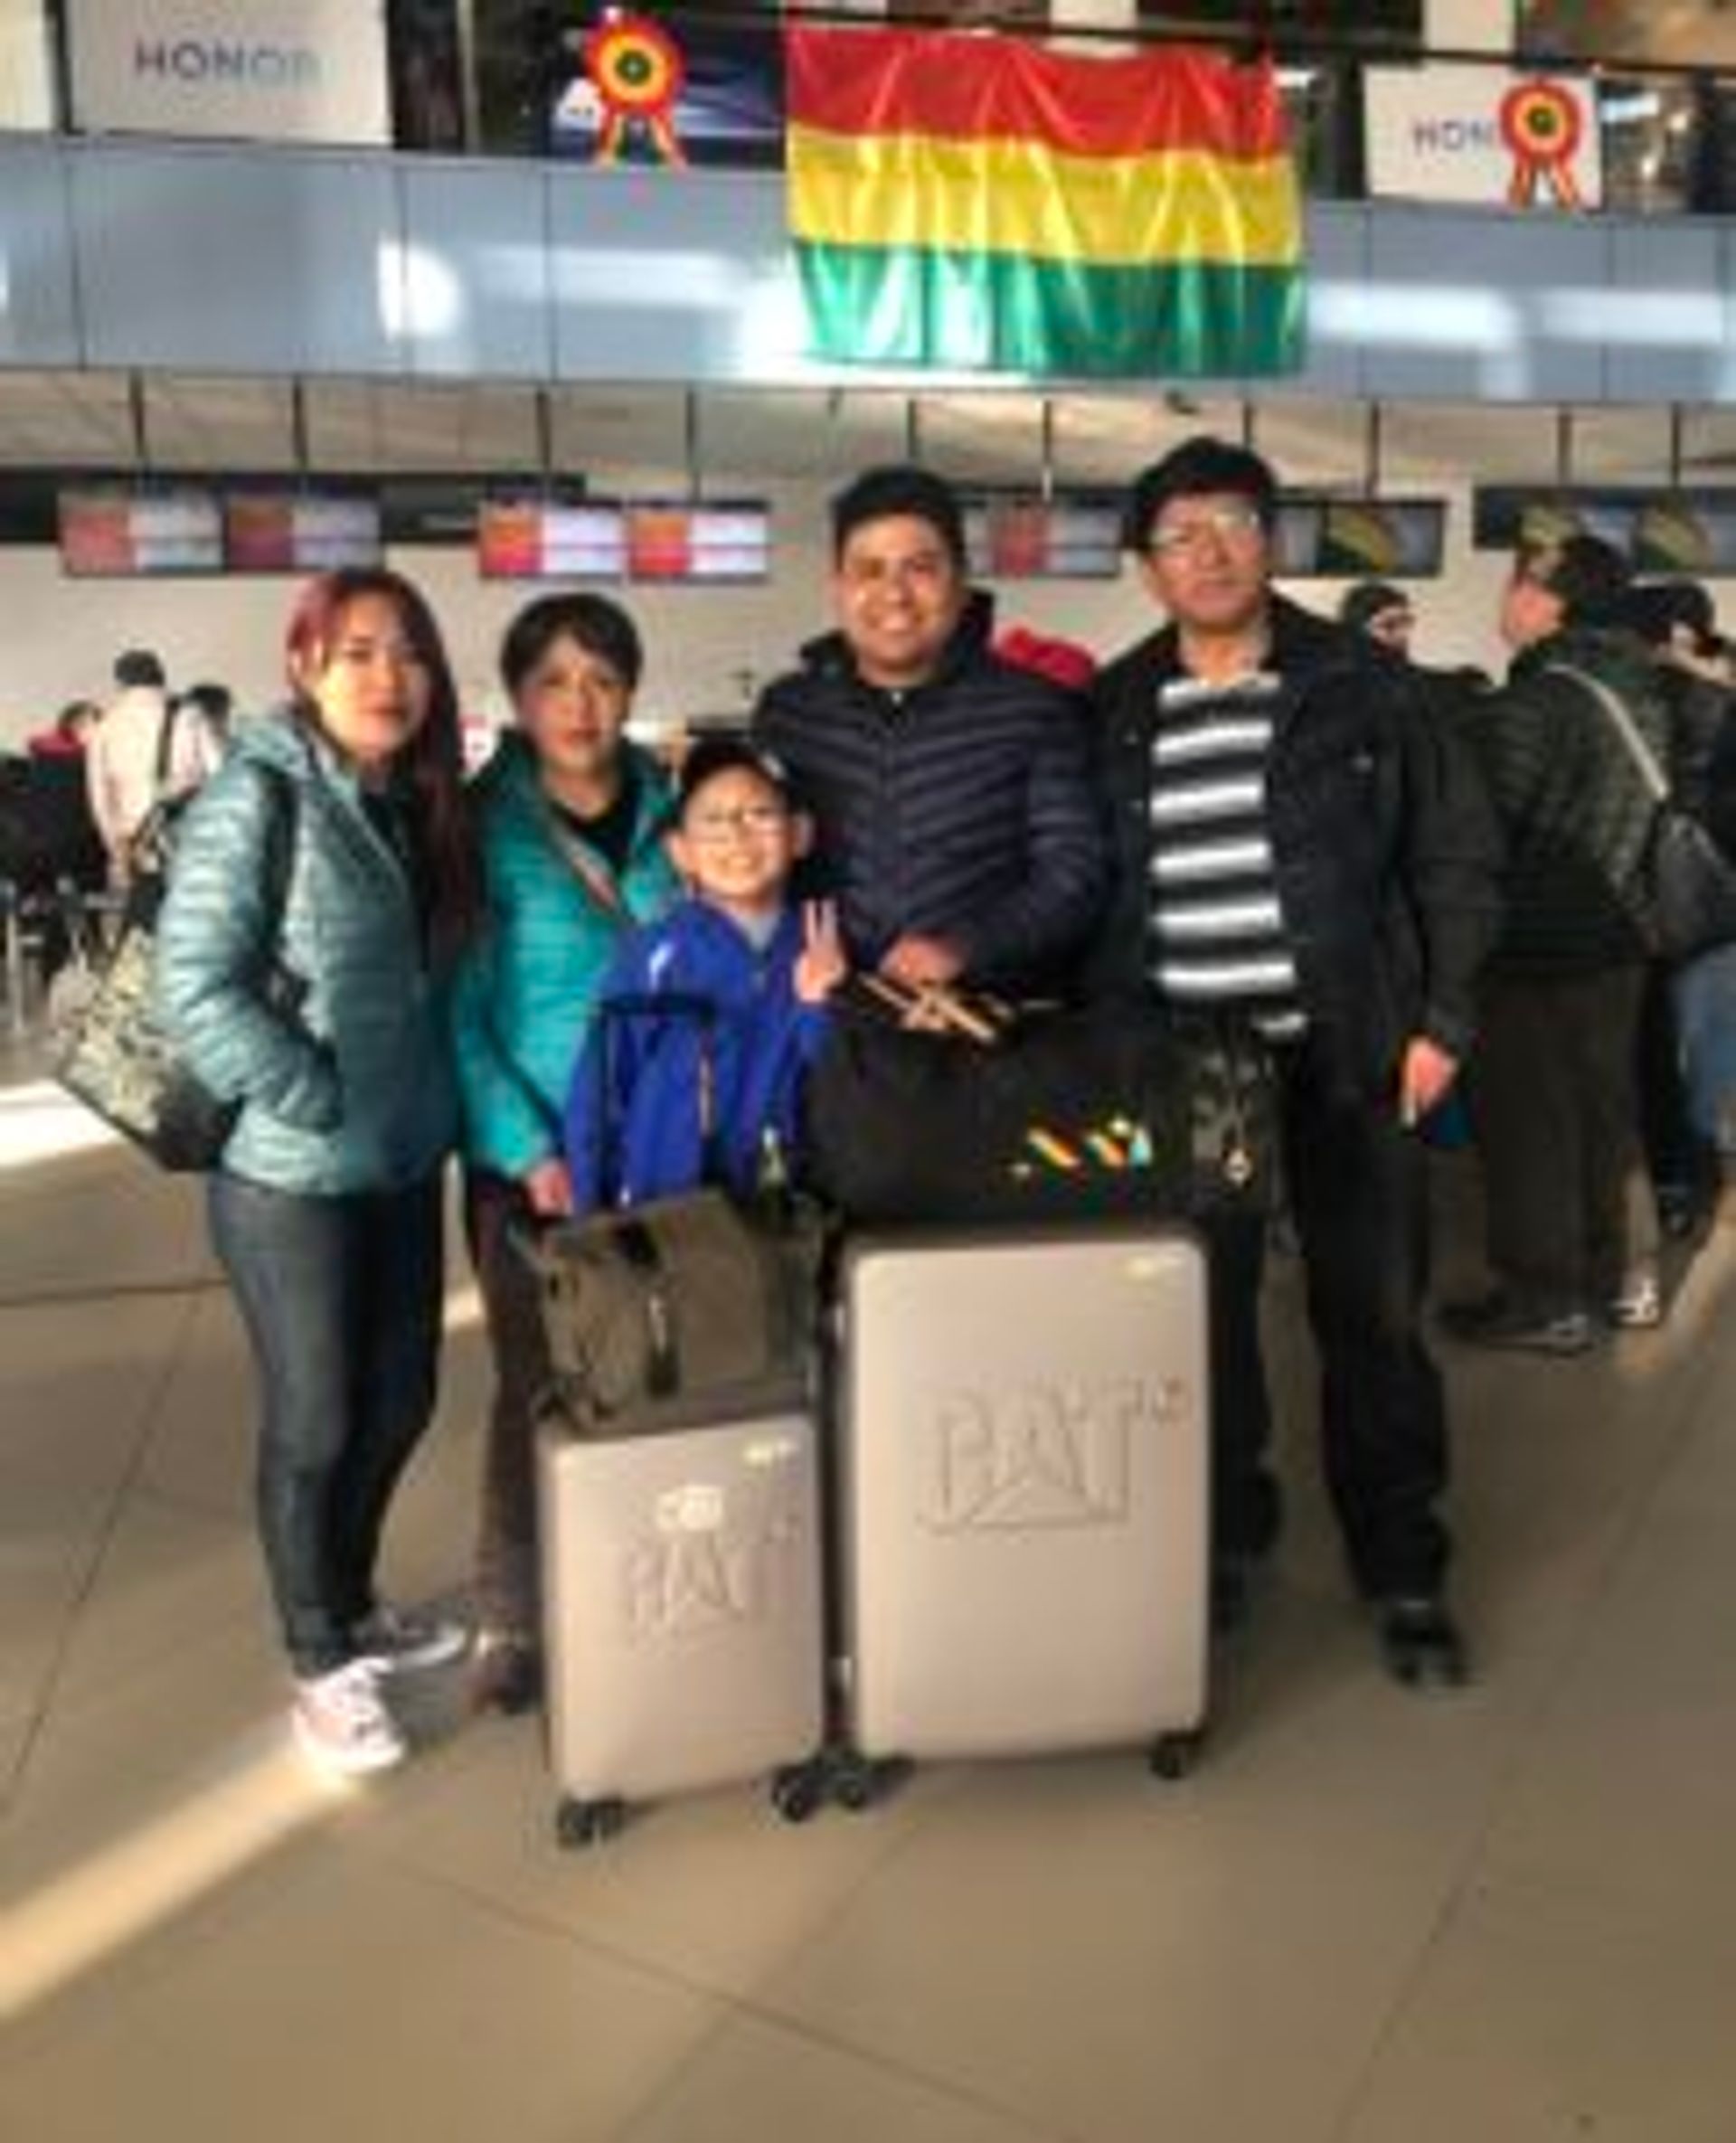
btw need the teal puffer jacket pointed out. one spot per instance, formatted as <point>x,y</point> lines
<point>526,988</point>
<point>350,1090</point>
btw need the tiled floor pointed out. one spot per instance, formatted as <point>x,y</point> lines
<point>1507,1916</point>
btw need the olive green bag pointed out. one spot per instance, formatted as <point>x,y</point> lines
<point>680,1311</point>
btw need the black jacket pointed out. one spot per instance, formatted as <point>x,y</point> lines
<point>1703,750</point>
<point>1383,845</point>
<point>963,808</point>
<point>1575,813</point>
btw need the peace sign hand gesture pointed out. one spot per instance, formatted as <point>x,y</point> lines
<point>821,965</point>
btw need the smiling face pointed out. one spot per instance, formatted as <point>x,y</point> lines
<point>368,685</point>
<point>737,841</point>
<point>899,594</point>
<point>573,704</point>
<point>1207,560</point>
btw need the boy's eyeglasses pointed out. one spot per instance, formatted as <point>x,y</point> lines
<point>750,818</point>
<point>1221,525</point>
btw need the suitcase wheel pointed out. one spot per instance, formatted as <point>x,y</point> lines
<point>798,1790</point>
<point>859,1781</point>
<point>588,1822</point>
<point>1174,1755</point>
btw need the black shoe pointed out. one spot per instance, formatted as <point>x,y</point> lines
<point>1497,1320</point>
<point>1419,1641</point>
<point>507,1676</point>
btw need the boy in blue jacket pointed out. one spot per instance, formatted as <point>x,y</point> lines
<point>710,1018</point>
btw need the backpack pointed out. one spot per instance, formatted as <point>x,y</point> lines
<point>112,1052</point>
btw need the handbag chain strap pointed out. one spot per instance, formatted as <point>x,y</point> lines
<point>1627,728</point>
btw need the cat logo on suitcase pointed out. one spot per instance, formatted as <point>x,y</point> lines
<point>694,1573</point>
<point>1041,1455</point>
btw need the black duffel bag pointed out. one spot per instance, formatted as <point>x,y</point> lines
<point>1065,1114</point>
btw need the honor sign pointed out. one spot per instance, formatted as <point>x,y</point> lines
<point>1480,133</point>
<point>249,69</point>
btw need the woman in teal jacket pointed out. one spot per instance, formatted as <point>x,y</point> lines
<point>570,818</point>
<point>319,885</point>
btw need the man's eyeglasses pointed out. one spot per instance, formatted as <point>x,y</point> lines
<point>721,826</point>
<point>1216,524</point>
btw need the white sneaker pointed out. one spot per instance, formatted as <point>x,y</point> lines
<point>1639,1307</point>
<point>342,1722</point>
<point>394,1637</point>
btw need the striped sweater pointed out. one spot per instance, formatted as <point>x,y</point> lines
<point>1217,931</point>
<point>962,809</point>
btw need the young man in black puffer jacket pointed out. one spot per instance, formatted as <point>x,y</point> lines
<point>1304,851</point>
<point>951,793</point>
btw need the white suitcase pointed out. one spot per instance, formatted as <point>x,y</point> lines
<point>1023,1482</point>
<point>681,1612</point>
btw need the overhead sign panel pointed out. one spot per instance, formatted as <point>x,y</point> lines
<point>247,70</point>
<point>1482,134</point>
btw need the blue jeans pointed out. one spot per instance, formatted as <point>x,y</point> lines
<point>341,1300</point>
<point>1705,1026</point>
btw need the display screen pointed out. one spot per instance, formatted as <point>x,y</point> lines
<point>1073,535</point>
<point>1339,538</point>
<point>542,539</point>
<point>267,532</point>
<point>1657,531</point>
<point>670,542</point>
<point>721,539</point>
<point>122,533</point>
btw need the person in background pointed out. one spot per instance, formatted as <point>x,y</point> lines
<point>1381,611</point>
<point>951,789</point>
<point>322,883</point>
<point>212,707</point>
<point>143,752</point>
<point>710,1018</point>
<point>1688,1031</point>
<point>570,818</point>
<point>1306,864</point>
<point>1570,1231</point>
<point>68,734</point>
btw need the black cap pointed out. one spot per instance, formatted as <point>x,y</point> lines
<point>1364,602</point>
<point>1588,577</point>
<point>713,756</point>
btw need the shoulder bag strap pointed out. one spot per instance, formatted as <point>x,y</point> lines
<point>588,867</point>
<point>165,748</point>
<point>1650,772</point>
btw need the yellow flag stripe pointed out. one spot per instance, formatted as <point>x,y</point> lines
<point>1019,197</point>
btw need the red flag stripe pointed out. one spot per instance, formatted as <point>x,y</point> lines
<point>943,83</point>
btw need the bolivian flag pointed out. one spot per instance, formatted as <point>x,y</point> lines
<point>981,201</point>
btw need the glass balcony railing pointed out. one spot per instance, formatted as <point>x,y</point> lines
<point>508,78</point>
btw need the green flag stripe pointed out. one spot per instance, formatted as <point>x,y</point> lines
<point>911,306</point>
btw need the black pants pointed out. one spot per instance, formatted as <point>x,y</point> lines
<point>1558,1119</point>
<point>1359,1191</point>
<point>341,1298</point>
<point>507,1592</point>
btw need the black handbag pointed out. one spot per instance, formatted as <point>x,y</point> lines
<point>1684,899</point>
<point>113,1053</point>
<point>1066,1114</point>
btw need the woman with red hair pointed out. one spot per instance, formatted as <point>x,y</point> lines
<point>322,883</point>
